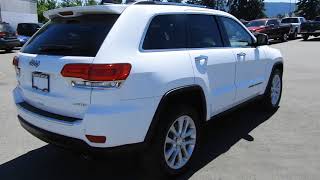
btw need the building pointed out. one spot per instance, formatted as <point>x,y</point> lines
<point>18,11</point>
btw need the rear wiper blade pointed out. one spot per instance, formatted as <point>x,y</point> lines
<point>46,48</point>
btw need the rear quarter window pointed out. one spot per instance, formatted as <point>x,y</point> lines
<point>166,32</point>
<point>76,36</point>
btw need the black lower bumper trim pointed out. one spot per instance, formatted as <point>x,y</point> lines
<point>74,144</point>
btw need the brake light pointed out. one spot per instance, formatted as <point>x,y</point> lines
<point>15,61</point>
<point>2,34</point>
<point>97,75</point>
<point>97,72</point>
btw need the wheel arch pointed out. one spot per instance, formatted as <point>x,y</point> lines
<point>193,92</point>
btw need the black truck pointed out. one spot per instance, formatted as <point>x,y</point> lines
<point>310,28</point>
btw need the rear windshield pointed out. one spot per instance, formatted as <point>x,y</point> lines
<point>77,36</point>
<point>290,20</point>
<point>6,28</point>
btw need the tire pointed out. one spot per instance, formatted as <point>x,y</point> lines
<point>272,95</point>
<point>294,35</point>
<point>284,37</point>
<point>164,141</point>
<point>305,37</point>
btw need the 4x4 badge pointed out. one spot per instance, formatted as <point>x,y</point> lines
<point>34,63</point>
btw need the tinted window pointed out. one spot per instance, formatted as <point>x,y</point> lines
<point>317,19</point>
<point>77,36</point>
<point>27,29</point>
<point>203,31</point>
<point>237,35</point>
<point>274,22</point>
<point>290,20</point>
<point>166,32</point>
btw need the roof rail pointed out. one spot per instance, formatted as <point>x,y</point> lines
<point>169,3</point>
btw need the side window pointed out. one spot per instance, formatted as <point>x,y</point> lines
<point>203,31</point>
<point>166,32</point>
<point>274,22</point>
<point>237,35</point>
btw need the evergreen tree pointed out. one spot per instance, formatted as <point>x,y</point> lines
<point>308,8</point>
<point>69,3</point>
<point>247,9</point>
<point>214,4</point>
<point>45,5</point>
<point>90,2</point>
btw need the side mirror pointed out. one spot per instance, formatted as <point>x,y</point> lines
<point>262,39</point>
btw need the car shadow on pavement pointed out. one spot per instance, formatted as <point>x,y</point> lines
<point>49,162</point>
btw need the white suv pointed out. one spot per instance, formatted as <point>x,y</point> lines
<point>114,77</point>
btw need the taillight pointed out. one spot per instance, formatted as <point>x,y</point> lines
<point>2,34</point>
<point>15,61</point>
<point>97,75</point>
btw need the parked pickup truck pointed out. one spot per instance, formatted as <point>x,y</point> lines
<point>272,27</point>
<point>310,28</point>
<point>295,23</point>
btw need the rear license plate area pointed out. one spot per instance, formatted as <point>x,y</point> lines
<point>40,81</point>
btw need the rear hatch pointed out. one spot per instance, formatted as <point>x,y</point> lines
<point>64,40</point>
<point>7,32</point>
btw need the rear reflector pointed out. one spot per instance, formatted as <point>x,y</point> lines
<point>96,139</point>
<point>97,72</point>
<point>15,61</point>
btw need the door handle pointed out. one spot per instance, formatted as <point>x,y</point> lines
<point>202,60</point>
<point>242,54</point>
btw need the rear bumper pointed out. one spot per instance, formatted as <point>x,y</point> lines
<point>124,124</point>
<point>9,43</point>
<point>73,143</point>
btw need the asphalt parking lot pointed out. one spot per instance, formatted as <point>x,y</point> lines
<point>247,144</point>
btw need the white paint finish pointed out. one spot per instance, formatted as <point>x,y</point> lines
<point>216,76</point>
<point>130,108</point>
<point>250,73</point>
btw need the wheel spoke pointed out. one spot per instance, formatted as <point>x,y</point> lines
<point>185,128</point>
<point>180,124</point>
<point>170,141</point>
<point>173,157</point>
<point>185,151</point>
<point>169,153</point>
<point>189,133</point>
<point>190,142</point>
<point>174,131</point>
<point>180,156</point>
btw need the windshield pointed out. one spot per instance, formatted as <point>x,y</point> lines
<point>256,23</point>
<point>76,36</point>
<point>290,20</point>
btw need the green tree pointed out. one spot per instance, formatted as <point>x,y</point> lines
<point>90,2</point>
<point>308,8</point>
<point>247,9</point>
<point>45,5</point>
<point>214,4</point>
<point>70,3</point>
